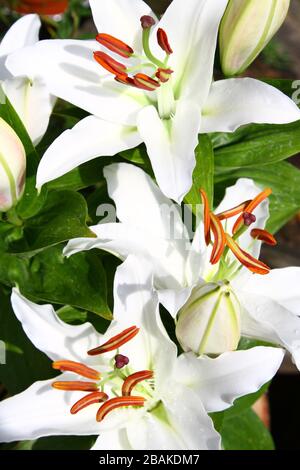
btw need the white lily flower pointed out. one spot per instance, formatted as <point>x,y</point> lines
<point>26,90</point>
<point>164,94</point>
<point>146,397</point>
<point>264,307</point>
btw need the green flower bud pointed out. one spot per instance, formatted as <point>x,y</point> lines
<point>12,167</point>
<point>246,28</point>
<point>209,323</point>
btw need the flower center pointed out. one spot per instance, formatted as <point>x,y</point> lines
<point>120,383</point>
<point>152,74</point>
<point>223,241</point>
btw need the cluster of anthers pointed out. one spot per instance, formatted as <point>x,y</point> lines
<point>161,72</point>
<point>224,242</point>
<point>95,387</point>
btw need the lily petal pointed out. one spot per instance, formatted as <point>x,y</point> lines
<point>51,335</point>
<point>121,18</point>
<point>32,102</point>
<point>218,382</point>
<point>23,32</point>
<point>112,440</point>
<point>90,138</point>
<point>194,45</point>
<point>171,146</point>
<point>234,102</point>
<point>71,73</point>
<point>264,318</point>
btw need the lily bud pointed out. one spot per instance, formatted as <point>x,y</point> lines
<point>209,323</point>
<point>12,167</point>
<point>246,28</point>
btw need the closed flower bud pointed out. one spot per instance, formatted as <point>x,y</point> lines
<point>246,28</point>
<point>12,167</point>
<point>209,323</point>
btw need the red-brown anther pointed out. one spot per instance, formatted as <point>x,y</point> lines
<point>147,21</point>
<point>144,82</point>
<point>118,402</point>
<point>250,208</point>
<point>133,379</point>
<point>76,386</point>
<point>78,368</point>
<point>114,45</point>
<point>249,219</point>
<point>110,64</point>
<point>163,41</point>
<point>219,239</point>
<point>233,212</point>
<point>121,361</point>
<point>115,342</point>
<point>90,399</point>
<point>263,236</point>
<point>205,203</point>
<point>164,75</point>
<point>246,259</point>
<point>125,80</point>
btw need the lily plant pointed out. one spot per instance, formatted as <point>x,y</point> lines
<point>26,90</point>
<point>144,80</point>
<point>127,386</point>
<point>216,283</point>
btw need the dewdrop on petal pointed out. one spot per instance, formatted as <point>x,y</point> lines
<point>12,167</point>
<point>246,28</point>
<point>209,323</point>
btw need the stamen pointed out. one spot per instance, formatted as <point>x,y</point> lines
<point>164,75</point>
<point>264,236</point>
<point>118,402</point>
<point>115,45</point>
<point>110,64</point>
<point>121,361</point>
<point>249,219</point>
<point>131,381</point>
<point>206,216</point>
<point>163,41</point>
<point>76,386</point>
<point>233,212</point>
<point>246,259</point>
<point>78,368</point>
<point>90,399</point>
<point>250,208</point>
<point>147,21</point>
<point>219,239</point>
<point>115,342</point>
<point>145,82</point>
<point>125,80</point>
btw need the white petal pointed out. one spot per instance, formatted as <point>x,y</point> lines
<point>51,335</point>
<point>266,319</point>
<point>245,189</point>
<point>90,138</point>
<point>218,382</point>
<point>174,299</point>
<point>281,285</point>
<point>171,146</point>
<point>238,101</point>
<point>194,44</point>
<point>121,18</point>
<point>23,32</point>
<point>115,439</point>
<point>123,239</point>
<point>71,73</point>
<point>42,411</point>
<point>136,303</point>
<point>32,102</point>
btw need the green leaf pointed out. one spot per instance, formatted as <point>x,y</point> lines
<point>285,85</point>
<point>245,431</point>
<point>63,217</point>
<point>284,180</point>
<point>203,175</point>
<point>269,144</point>
<point>78,281</point>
